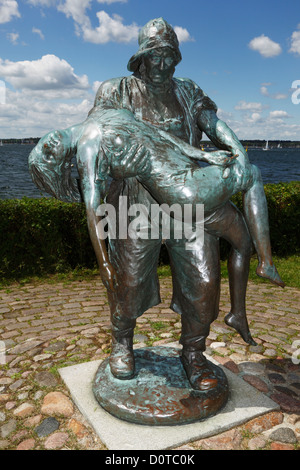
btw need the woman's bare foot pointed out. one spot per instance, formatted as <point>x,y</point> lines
<point>269,271</point>
<point>240,324</point>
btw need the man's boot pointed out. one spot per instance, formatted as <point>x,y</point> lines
<point>121,360</point>
<point>199,373</point>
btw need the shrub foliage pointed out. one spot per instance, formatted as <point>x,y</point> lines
<point>41,236</point>
<point>44,236</point>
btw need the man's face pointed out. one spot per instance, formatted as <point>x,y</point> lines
<point>159,65</point>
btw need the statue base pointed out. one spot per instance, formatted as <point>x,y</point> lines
<point>159,394</point>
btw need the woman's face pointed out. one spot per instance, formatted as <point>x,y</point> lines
<point>159,65</point>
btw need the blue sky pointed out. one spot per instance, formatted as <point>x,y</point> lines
<point>244,54</point>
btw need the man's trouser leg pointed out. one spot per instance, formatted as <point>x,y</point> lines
<point>121,360</point>
<point>196,294</point>
<point>135,263</point>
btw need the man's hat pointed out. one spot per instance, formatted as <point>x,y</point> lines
<point>156,33</point>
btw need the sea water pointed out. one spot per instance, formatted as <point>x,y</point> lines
<point>276,165</point>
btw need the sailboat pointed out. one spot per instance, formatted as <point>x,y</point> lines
<point>267,146</point>
<point>1,143</point>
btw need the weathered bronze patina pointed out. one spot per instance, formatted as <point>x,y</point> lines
<point>141,143</point>
<point>159,394</point>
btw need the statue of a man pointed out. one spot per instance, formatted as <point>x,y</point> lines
<point>180,111</point>
<point>181,108</point>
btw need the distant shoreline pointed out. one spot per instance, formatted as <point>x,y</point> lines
<point>251,144</point>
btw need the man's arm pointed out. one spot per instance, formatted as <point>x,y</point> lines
<point>219,133</point>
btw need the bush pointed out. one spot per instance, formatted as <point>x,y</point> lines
<point>284,216</point>
<point>44,236</point>
<point>41,236</point>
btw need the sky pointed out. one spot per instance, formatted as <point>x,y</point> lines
<point>244,54</point>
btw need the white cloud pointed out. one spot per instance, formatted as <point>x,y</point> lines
<point>252,107</point>
<point>8,10</point>
<point>182,34</point>
<point>276,96</point>
<point>109,2</point>
<point>96,85</point>
<point>264,91</point>
<point>39,32</point>
<point>295,42</point>
<point>279,114</point>
<point>224,115</point>
<point>253,122</point>
<point>280,96</point>
<point>265,46</point>
<point>47,95</point>
<point>76,9</point>
<point>25,115</point>
<point>257,126</point>
<point>255,117</point>
<point>13,38</point>
<point>43,3</point>
<point>48,73</point>
<point>110,29</point>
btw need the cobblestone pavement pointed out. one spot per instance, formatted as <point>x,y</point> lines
<point>44,327</point>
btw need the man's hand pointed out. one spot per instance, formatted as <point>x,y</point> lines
<point>108,276</point>
<point>220,158</point>
<point>242,155</point>
<point>135,162</point>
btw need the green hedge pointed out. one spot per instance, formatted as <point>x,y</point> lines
<point>44,236</point>
<point>41,236</point>
<point>284,216</point>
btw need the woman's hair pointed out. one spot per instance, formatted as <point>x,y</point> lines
<point>55,180</point>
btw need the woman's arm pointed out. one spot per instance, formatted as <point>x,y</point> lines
<point>87,151</point>
<point>96,232</point>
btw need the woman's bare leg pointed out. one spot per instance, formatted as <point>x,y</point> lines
<point>237,234</point>
<point>256,214</point>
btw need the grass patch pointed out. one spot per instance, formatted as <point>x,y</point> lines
<point>158,325</point>
<point>288,269</point>
<point>78,274</point>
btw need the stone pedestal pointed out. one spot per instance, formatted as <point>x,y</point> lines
<point>160,393</point>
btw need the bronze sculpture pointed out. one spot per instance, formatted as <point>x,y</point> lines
<point>143,132</point>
